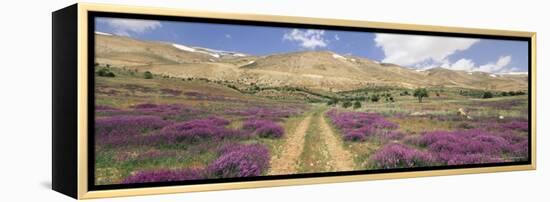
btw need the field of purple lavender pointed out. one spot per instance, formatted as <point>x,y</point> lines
<point>150,128</point>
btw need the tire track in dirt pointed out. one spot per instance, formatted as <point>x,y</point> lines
<point>287,161</point>
<point>340,159</point>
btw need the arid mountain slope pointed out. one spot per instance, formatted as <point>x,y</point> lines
<point>312,69</point>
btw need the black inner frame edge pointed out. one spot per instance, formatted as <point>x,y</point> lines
<point>91,99</point>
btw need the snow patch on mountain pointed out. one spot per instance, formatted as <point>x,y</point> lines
<point>336,56</point>
<point>211,52</point>
<point>184,48</point>
<point>514,73</point>
<point>220,53</point>
<point>103,33</point>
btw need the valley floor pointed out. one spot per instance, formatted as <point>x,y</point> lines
<point>169,129</point>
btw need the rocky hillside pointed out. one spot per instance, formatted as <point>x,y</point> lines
<point>322,70</point>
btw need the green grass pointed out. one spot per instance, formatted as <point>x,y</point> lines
<point>314,157</point>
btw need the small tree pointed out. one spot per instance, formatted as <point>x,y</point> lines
<point>520,93</point>
<point>332,101</point>
<point>346,104</point>
<point>105,72</point>
<point>356,105</point>
<point>374,98</point>
<point>487,94</point>
<point>420,93</point>
<point>148,75</point>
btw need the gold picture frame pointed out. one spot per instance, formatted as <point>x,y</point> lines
<point>71,174</point>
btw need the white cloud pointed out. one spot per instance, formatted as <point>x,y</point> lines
<point>462,64</point>
<point>411,50</point>
<point>336,37</point>
<point>227,36</point>
<point>309,39</point>
<point>499,66</point>
<point>125,27</point>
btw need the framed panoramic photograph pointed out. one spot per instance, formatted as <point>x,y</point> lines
<point>153,101</point>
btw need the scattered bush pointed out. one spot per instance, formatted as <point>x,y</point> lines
<point>487,94</point>
<point>375,98</point>
<point>346,104</point>
<point>356,105</point>
<point>105,72</point>
<point>147,75</point>
<point>332,101</point>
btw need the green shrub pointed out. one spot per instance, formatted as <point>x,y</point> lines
<point>346,104</point>
<point>332,101</point>
<point>105,72</point>
<point>147,75</point>
<point>374,98</point>
<point>356,105</point>
<point>487,94</point>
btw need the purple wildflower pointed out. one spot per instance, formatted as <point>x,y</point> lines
<point>152,154</point>
<point>263,128</point>
<point>121,129</point>
<point>471,146</point>
<point>355,136</point>
<point>196,130</point>
<point>164,176</point>
<point>169,110</point>
<point>516,125</point>
<point>358,126</point>
<point>240,161</point>
<point>392,135</point>
<point>400,156</point>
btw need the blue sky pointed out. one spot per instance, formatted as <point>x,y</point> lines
<point>421,52</point>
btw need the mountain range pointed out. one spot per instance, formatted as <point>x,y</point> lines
<point>323,70</point>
